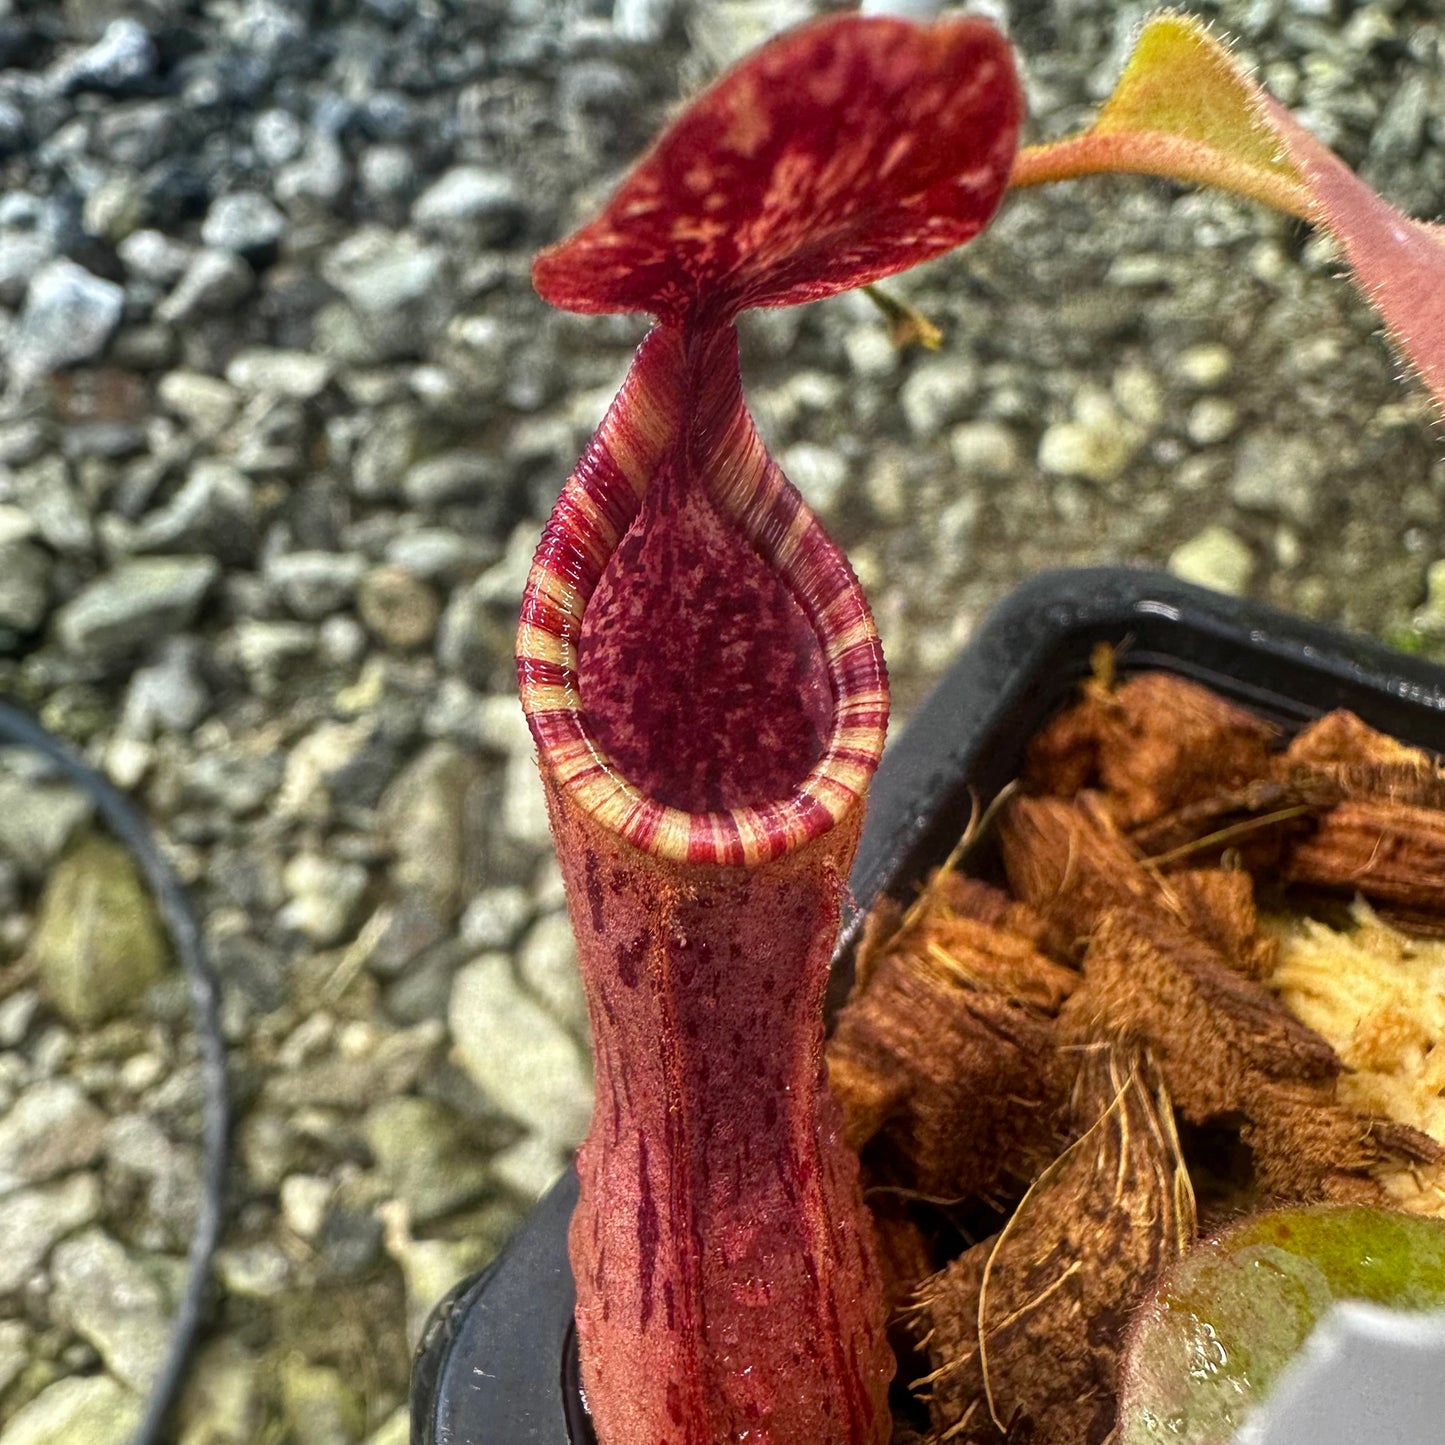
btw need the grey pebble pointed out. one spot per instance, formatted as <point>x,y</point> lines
<point>546,1086</point>
<point>245,223</point>
<point>69,316</point>
<point>381,273</point>
<point>323,896</point>
<point>54,504</point>
<point>215,281</point>
<point>25,584</point>
<point>154,256</point>
<point>547,963</point>
<point>1215,558</point>
<point>316,180</point>
<point>278,136</point>
<point>138,601</point>
<point>32,1221</point>
<point>38,818</point>
<point>482,202</point>
<point>85,1410</point>
<point>937,393</point>
<point>452,477</point>
<point>275,371</point>
<point>213,511</point>
<point>206,402</point>
<point>28,239</point>
<point>14,1351</point>
<point>426,819</point>
<point>495,918</point>
<point>124,55</point>
<point>314,584</point>
<point>424,1157</point>
<point>1280,475</point>
<point>109,1297</point>
<point>50,1129</point>
<point>255,1271</point>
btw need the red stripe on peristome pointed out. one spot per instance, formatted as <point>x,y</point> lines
<point>604,481</point>
<point>714,838</point>
<point>541,672</point>
<point>860,666</point>
<point>544,614</point>
<point>780,511</point>
<point>842,607</point>
<point>857,757</point>
<point>555,728</point>
<point>872,715</point>
<point>641,827</point>
<point>814,818</point>
<point>585,544</point>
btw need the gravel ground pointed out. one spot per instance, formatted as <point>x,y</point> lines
<point>282,419</point>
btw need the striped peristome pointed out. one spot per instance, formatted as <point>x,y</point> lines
<point>596,507</point>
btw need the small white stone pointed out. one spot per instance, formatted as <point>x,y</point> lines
<point>324,893</point>
<point>16,524</point>
<point>524,804</point>
<point>1212,419</point>
<point>937,393</point>
<point>1098,453</point>
<point>14,1351</point>
<point>258,1271</point>
<point>547,961</point>
<point>276,372</point>
<point>985,449</point>
<point>305,1199</point>
<point>1431,617</point>
<point>1216,558</point>
<point>110,1298</point>
<point>69,316</point>
<point>1139,396</point>
<point>127,760</point>
<point>141,1072</point>
<point>206,402</point>
<point>870,353</point>
<point>546,1085</point>
<point>819,473</point>
<point>396,1430</point>
<point>32,1220</point>
<point>495,917</point>
<point>529,1167</point>
<point>89,1410</point>
<point>1204,367</point>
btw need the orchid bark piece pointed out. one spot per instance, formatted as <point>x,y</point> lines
<point>1186,110</point>
<point>704,682</point>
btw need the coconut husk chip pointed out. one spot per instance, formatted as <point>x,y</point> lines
<point>1365,763</point>
<point>945,1059</point>
<point>1024,1331</point>
<point>1017,1048</point>
<point>1153,745</point>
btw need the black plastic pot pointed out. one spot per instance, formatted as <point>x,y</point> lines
<point>497,1363</point>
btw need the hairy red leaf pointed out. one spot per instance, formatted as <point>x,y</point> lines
<point>1186,109</point>
<point>841,153</point>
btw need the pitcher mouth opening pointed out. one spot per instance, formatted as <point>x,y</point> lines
<point>796,741</point>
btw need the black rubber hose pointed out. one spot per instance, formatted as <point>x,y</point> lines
<point>181,924</point>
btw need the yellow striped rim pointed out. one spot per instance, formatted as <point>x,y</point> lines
<point>593,512</point>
